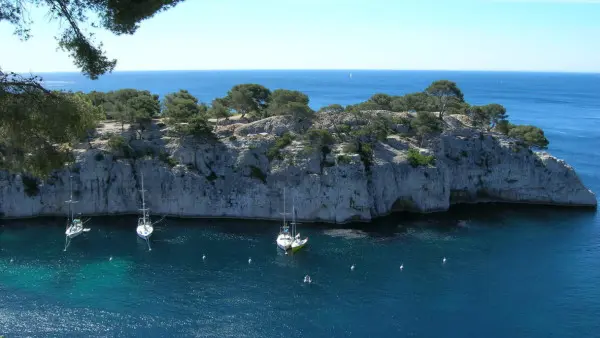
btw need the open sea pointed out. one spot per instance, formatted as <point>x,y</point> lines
<point>511,271</point>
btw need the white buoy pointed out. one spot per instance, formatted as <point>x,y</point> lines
<point>203,257</point>
<point>444,260</point>
<point>402,266</point>
<point>11,260</point>
<point>249,260</point>
<point>110,259</point>
<point>352,267</point>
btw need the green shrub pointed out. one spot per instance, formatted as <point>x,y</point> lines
<point>106,136</point>
<point>255,172</point>
<point>532,136</point>
<point>415,158</point>
<point>212,176</point>
<point>232,138</point>
<point>332,108</point>
<point>280,143</point>
<point>426,123</point>
<point>168,159</point>
<point>117,143</point>
<point>319,137</point>
<point>400,120</point>
<point>344,159</point>
<point>342,128</point>
<point>365,150</point>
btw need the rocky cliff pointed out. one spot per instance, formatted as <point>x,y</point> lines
<point>233,176</point>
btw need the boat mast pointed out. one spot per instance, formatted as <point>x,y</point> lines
<point>143,202</point>
<point>70,215</point>
<point>293,215</point>
<point>283,206</point>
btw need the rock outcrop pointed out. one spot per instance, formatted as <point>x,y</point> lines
<point>233,177</point>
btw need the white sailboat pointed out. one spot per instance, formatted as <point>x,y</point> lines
<point>74,225</point>
<point>284,239</point>
<point>297,242</point>
<point>144,227</point>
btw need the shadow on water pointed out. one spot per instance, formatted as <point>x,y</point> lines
<point>459,216</point>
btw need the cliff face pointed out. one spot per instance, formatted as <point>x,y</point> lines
<point>233,177</point>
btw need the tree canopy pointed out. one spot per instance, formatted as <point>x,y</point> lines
<point>412,102</point>
<point>383,101</point>
<point>248,98</point>
<point>487,116</point>
<point>531,135</point>
<point>425,123</point>
<point>446,93</point>
<point>133,106</point>
<point>37,126</point>
<point>186,114</point>
<point>332,108</point>
<point>119,17</point>
<point>181,106</point>
<point>285,101</point>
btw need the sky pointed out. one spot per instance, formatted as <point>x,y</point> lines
<point>493,35</point>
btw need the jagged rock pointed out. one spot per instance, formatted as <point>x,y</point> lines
<point>234,178</point>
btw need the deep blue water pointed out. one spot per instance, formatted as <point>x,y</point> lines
<point>511,271</point>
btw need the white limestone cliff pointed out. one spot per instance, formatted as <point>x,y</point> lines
<point>234,178</point>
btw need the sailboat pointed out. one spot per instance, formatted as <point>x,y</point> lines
<point>145,227</point>
<point>297,243</point>
<point>284,239</point>
<point>74,225</point>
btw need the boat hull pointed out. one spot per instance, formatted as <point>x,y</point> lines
<point>73,231</point>
<point>284,242</point>
<point>299,244</point>
<point>73,234</point>
<point>144,233</point>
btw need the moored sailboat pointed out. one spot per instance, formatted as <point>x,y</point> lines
<point>284,239</point>
<point>74,225</point>
<point>297,242</point>
<point>145,227</point>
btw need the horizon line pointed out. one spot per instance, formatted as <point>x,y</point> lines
<point>327,70</point>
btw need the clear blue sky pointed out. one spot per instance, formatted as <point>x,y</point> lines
<point>530,35</point>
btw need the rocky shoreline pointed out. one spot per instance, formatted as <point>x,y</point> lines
<point>243,170</point>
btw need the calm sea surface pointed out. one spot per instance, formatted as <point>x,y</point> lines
<point>510,271</point>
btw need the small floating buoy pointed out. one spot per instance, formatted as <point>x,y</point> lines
<point>203,257</point>
<point>110,259</point>
<point>12,260</point>
<point>352,267</point>
<point>249,260</point>
<point>444,260</point>
<point>401,266</point>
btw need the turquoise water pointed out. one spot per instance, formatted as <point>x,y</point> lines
<point>510,271</point>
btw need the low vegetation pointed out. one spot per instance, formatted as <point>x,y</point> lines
<point>255,172</point>
<point>274,152</point>
<point>47,143</point>
<point>532,136</point>
<point>416,159</point>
